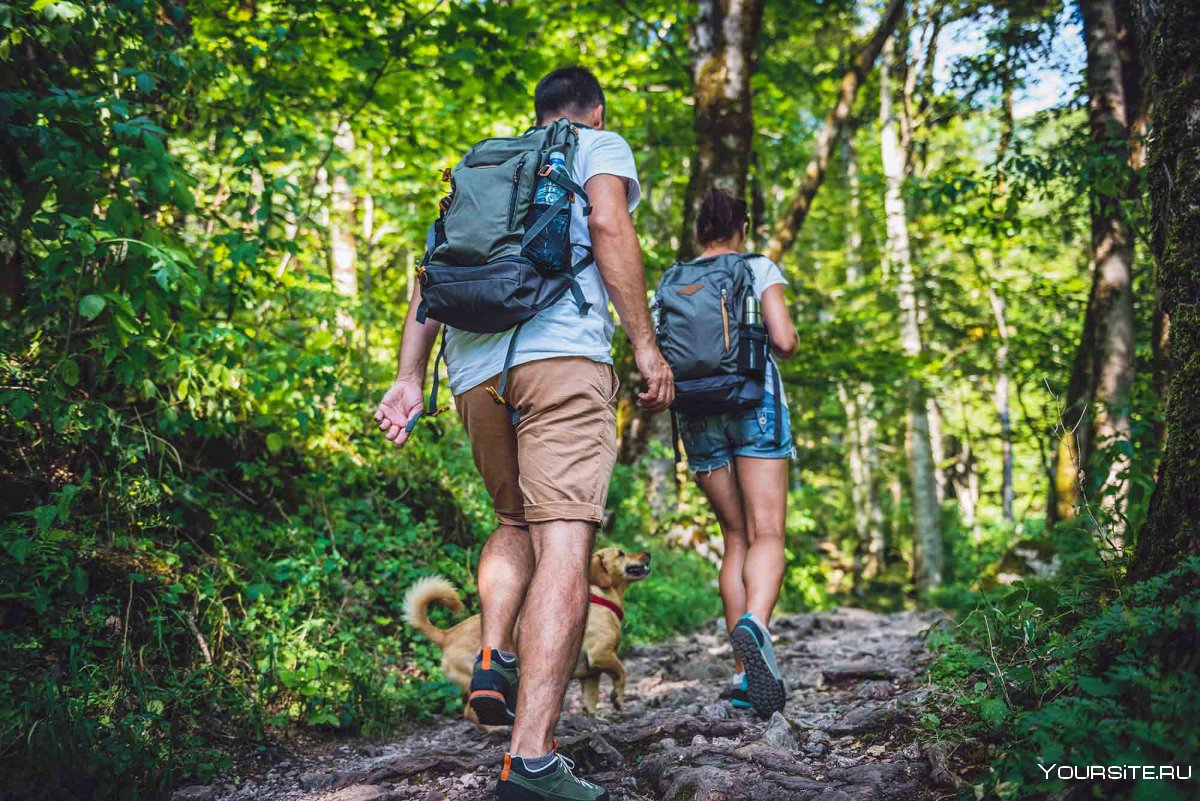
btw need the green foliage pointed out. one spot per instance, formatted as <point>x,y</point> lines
<point>1079,672</point>
<point>204,541</point>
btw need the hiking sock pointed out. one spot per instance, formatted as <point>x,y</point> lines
<point>533,766</point>
<point>738,698</point>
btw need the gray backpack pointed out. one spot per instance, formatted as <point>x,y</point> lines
<point>718,358</point>
<point>494,257</point>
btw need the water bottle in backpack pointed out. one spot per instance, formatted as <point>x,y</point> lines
<point>550,248</point>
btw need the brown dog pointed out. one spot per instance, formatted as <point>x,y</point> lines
<point>612,571</point>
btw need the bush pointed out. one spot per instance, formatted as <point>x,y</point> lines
<point>1080,672</point>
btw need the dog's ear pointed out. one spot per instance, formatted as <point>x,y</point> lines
<point>598,572</point>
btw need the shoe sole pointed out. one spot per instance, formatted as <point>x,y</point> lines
<point>491,709</point>
<point>766,692</point>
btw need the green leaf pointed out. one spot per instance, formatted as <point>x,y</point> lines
<point>70,372</point>
<point>1097,687</point>
<point>182,389</point>
<point>994,711</point>
<point>91,305</point>
<point>19,549</point>
<point>274,442</point>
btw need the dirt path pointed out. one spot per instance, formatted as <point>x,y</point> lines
<point>857,682</point>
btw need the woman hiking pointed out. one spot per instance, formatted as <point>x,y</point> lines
<point>740,460</point>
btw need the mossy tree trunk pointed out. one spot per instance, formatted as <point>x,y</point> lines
<point>1096,414</point>
<point>1172,529</point>
<point>723,43</point>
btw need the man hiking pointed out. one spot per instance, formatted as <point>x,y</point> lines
<point>538,405</point>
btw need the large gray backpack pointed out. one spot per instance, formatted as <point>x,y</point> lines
<point>491,264</point>
<point>717,358</point>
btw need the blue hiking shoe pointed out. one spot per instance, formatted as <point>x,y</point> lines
<point>764,683</point>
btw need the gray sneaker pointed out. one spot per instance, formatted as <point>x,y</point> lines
<point>765,687</point>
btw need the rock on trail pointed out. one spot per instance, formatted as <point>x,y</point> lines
<point>857,683</point>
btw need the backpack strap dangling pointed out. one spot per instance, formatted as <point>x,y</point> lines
<point>778,382</point>
<point>431,409</point>
<point>675,437</point>
<point>498,392</point>
<point>576,290</point>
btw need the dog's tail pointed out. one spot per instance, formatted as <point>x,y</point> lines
<point>418,599</point>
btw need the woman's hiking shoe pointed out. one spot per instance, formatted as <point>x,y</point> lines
<point>764,683</point>
<point>551,782</point>
<point>494,681</point>
<point>738,696</point>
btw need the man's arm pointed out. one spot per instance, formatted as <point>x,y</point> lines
<point>406,395</point>
<point>619,257</point>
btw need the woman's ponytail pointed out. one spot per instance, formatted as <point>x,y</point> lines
<point>721,217</point>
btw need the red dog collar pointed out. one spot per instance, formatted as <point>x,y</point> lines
<point>607,604</point>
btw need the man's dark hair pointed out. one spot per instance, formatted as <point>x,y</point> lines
<point>721,216</point>
<point>566,91</point>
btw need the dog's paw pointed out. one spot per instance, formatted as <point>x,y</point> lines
<point>618,700</point>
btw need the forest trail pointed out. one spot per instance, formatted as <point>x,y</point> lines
<point>858,684</point>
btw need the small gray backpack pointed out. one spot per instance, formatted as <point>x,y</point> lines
<point>495,257</point>
<point>717,357</point>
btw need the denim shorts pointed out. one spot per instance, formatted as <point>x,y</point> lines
<point>711,442</point>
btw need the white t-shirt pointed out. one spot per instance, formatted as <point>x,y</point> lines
<point>558,330</point>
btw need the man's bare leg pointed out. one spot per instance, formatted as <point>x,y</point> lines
<point>551,630</point>
<point>505,568</point>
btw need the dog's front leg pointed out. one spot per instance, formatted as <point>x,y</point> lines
<point>612,666</point>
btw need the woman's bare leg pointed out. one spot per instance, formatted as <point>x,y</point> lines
<point>721,488</point>
<point>763,483</point>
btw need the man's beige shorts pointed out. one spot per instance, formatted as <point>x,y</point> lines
<point>557,462</point>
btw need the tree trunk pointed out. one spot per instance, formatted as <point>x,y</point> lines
<point>1003,407</point>
<point>723,42</point>
<point>863,456</point>
<point>343,239</point>
<point>787,229</point>
<point>999,307</point>
<point>927,535</point>
<point>1172,529</point>
<point>1105,363</point>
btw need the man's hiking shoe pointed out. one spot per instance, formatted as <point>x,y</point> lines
<point>738,696</point>
<point>553,782</point>
<point>494,688</point>
<point>764,683</point>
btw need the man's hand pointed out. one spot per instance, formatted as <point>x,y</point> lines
<point>660,383</point>
<point>400,403</point>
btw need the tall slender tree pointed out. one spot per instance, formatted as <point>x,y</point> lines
<point>1096,414</point>
<point>787,229</point>
<point>927,534</point>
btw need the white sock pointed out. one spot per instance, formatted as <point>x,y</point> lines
<point>737,679</point>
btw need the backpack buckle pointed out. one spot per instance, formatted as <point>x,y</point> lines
<point>497,398</point>
<point>545,171</point>
<point>421,274</point>
<point>446,175</point>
